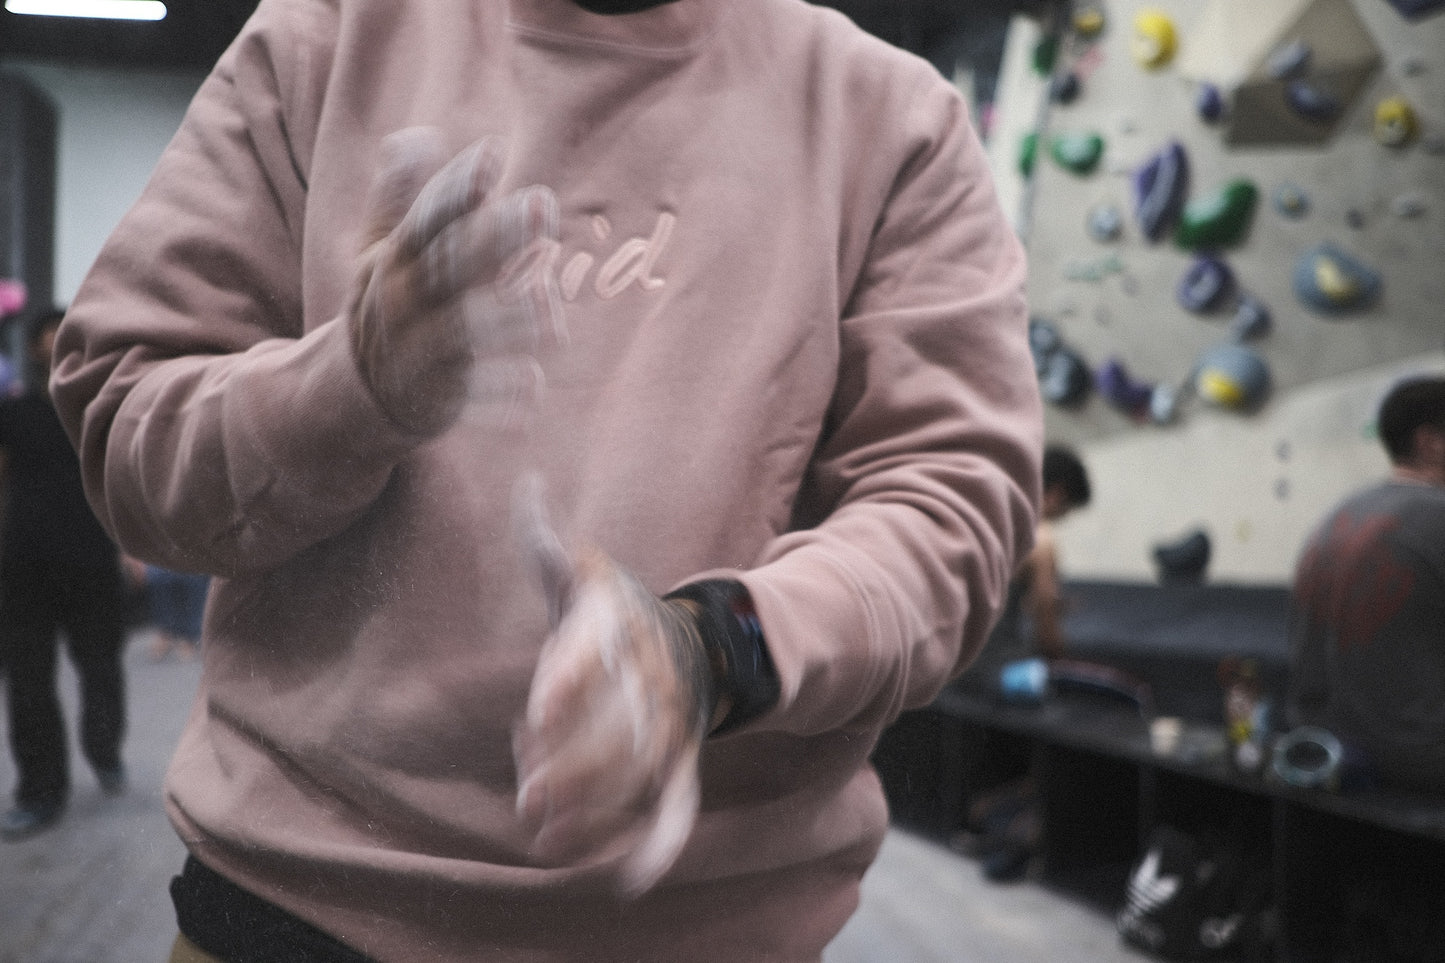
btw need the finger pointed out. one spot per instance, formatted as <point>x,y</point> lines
<point>409,159</point>
<point>541,545</point>
<point>536,219</point>
<point>458,188</point>
<point>480,245</point>
<point>581,779</point>
<point>672,824</point>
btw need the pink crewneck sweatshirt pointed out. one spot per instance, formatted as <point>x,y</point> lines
<point>797,357</point>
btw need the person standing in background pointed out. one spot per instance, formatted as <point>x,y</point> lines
<point>1367,613</point>
<point>59,573</point>
<point>1031,623</point>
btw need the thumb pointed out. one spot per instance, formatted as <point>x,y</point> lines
<point>409,159</point>
<point>542,545</point>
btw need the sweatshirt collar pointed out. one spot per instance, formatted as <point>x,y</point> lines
<point>670,28</point>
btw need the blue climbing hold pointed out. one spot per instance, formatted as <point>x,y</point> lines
<point>1333,282</point>
<point>1120,389</point>
<point>1209,103</point>
<point>1232,376</point>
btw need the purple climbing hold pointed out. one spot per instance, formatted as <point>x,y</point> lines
<point>1160,185</point>
<point>1417,9</point>
<point>1312,102</point>
<point>1120,389</point>
<point>1064,88</point>
<point>1204,284</point>
<point>1209,103</point>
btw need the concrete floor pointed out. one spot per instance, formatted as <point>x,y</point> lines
<point>93,889</point>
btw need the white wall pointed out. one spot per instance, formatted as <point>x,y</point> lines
<point>113,125</point>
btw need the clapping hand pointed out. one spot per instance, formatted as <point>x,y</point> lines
<point>438,313</point>
<point>607,750</point>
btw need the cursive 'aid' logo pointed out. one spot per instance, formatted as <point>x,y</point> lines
<point>633,262</point>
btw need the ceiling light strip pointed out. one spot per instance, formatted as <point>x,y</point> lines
<point>93,9</point>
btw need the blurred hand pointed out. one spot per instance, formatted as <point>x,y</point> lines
<point>607,751</point>
<point>437,315</point>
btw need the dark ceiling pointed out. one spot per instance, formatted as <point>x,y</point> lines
<point>195,32</point>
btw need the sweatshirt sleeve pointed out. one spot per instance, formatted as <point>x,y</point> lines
<point>923,493</point>
<point>215,432</point>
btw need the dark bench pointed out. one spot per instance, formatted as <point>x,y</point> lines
<point>1104,789</point>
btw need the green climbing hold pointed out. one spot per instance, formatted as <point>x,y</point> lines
<point>1079,153</point>
<point>1028,151</point>
<point>1218,219</point>
<point>1046,54</point>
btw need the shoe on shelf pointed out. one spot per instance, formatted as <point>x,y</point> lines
<point>112,781</point>
<point>26,820</point>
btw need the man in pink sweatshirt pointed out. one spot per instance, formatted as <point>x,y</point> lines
<point>599,421</point>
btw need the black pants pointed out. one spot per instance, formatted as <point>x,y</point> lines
<point>38,602</point>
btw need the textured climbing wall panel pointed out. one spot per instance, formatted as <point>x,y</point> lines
<point>1146,306</point>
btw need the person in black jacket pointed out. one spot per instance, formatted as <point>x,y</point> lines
<point>59,572</point>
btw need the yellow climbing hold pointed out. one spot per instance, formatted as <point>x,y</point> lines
<point>1395,123</point>
<point>1335,283</point>
<point>1089,22</point>
<point>1154,40</point>
<point>1219,388</point>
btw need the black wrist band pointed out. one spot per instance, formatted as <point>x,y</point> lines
<point>733,637</point>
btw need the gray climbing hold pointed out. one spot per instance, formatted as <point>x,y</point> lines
<point>1184,560</point>
<point>1064,89</point>
<point>1044,340</point>
<point>1409,206</point>
<point>1164,404</point>
<point>1065,380</point>
<point>1312,102</point>
<point>1251,319</point>
<point>1105,223</point>
<point>1291,201</point>
<point>1288,60</point>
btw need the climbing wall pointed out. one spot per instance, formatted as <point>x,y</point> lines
<point>1235,213</point>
